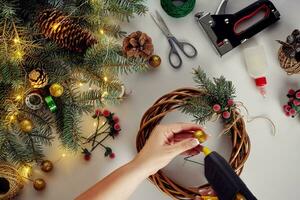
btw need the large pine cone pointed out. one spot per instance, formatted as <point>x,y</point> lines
<point>138,44</point>
<point>64,31</point>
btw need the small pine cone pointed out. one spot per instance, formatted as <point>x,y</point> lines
<point>64,31</point>
<point>138,44</point>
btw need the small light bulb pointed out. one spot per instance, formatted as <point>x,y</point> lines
<point>55,26</point>
<point>105,94</point>
<point>63,155</point>
<point>80,84</point>
<point>102,31</point>
<point>16,40</point>
<point>12,117</point>
<point>105,79</point>
<point>90,88</point>
<point>95,124</point>
<point>18,97</point>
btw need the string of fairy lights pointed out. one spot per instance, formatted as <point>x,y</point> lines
<point>16,48</point>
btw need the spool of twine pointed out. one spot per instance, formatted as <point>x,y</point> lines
<point>290,65</point>
<point>10,182</point>
<point>177,11</point>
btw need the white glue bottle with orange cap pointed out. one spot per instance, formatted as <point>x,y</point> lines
<point>256,63</point>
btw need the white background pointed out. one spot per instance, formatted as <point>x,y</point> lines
<point>272,170</point>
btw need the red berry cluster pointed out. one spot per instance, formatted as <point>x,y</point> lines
<point>112,120</point>
<point>225,111</point>
<point>292,107</point>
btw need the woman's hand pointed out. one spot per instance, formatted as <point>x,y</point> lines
<point>165,143</point>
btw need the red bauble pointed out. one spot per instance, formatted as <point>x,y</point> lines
<point>226,115</point>
<point>117,127</point>
<point>106,113</point>
<point>287,108</point>
<point>216,107</point>
<point>112,155</point>
<point>116,119</point>
<point>87,157</point>
<point>298,95</point>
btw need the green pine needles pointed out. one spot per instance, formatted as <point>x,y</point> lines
<point>217,99</point>
<point>23,48</point>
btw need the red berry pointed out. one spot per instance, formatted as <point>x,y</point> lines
<point>298,95</point>
<point>287,108</point>
<point>230,102</point>
<point>291,92</point>
<point>117,127</point>
<point>292,111</point>
<point>216,107</point>
<point>97,112</point>
<point>116,133</point>
<point>106,113</point>
<point>116,119</point>
<point>296,102</point>
<point>112,155</point>
<point>226,115</point>
<point>87,157</point>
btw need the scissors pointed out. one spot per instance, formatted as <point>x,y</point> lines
<point>183,46</point>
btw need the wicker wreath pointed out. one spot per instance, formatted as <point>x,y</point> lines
<point>172,101</point>
<point>10,181</point>
<point>290,65</point>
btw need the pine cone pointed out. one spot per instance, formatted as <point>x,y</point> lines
<point>291,47</point>
<point>138,44</point>
<point>64,31</point>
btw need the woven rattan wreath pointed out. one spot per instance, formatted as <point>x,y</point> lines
<point>171,102</point>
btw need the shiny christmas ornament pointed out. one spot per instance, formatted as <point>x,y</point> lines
<point>38,78</point>
<point>26,125</point>
<point>34,101</point>
<point>200,135</point>
<point>39,184</point>
<point>47,166</point>
<point>154,61</point>
<point>56,89</point>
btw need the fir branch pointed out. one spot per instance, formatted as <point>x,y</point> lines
<point>218,91</point>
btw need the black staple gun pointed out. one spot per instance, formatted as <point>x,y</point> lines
<point>224,30</point>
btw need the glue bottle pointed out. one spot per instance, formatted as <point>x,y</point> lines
<point>256,63</point>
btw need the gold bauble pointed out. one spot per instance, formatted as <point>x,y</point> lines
<point>46,166</point>
<point>39,184</point>
<point>56,89</point>
<point>26,125</point>
<point>200,135</point>
<point>154,61</point>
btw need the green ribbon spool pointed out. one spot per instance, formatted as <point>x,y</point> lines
<point>51,104</point>
<point>178,11</point>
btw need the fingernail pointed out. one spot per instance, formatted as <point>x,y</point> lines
<point>195,142</point>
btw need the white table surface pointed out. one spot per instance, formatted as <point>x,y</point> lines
<point>272,170</point>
